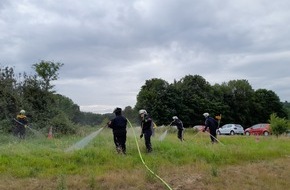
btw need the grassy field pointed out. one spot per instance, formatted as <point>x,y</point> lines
<point>239,162</point>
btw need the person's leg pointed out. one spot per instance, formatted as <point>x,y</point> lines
<point>179,134</point>
<point>147,137</point>
<point>15,131</point>
<point>182,135</point>
<point>117,144</point>
<point>215,136</point>
<point>122,141</point>
<point>22,132</point>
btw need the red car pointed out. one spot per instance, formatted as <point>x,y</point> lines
<point>259,129</point>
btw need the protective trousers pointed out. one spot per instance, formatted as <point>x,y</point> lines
<point>213,136</point>
<point>19,131</point>
<point>120,141</point>
<point>147,137</point>
<point>180,134</point>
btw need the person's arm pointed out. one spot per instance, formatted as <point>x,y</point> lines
<point>142,123</point>
<point>110,124</point>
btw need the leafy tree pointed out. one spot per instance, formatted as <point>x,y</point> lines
<point>286,106</point>
<point>88,118</point>
<point>278,125</point>
<point>265,103</point>
<point>47,71</point>
<point>131,115</point>
<point>66,105</point>
<point>237,95</point>
<point>196,98</point>
<point>153,98</point>
<point>8,96</point>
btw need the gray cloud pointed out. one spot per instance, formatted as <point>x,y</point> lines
<point>111,47</point>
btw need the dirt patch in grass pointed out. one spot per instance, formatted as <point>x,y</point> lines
<point>270,174</point>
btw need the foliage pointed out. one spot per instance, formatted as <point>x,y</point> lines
<point>8,96</point>
<point>286,106</point>
<point>47,71</point>
<point>187,98</point>
<point>131,114</point>
<point>154,99</point>
<point>191,96</point>
<point>62,125</point>
<point>278,125</point>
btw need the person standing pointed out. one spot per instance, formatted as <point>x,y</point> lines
<point>212,124</point>
<point>119,127</point>
<point>146,129</point>
<point>178,123</point>
<point>21,124</point>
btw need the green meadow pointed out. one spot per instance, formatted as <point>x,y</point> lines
<point>238,162</point>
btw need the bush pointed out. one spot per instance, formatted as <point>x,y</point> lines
<point>278,125</point>
<point>6,126</point>
<point>62,125</point>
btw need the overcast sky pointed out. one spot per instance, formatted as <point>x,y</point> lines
<point>111,47</point>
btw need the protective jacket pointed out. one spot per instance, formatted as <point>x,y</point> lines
<point>146,124</point>
<point>178,123</point>
<point>118,124</point>
<point>22,119</point>
<point>211,123</point>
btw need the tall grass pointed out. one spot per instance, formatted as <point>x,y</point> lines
<point>37,157</point>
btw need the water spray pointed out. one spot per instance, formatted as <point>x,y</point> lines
<point>82,143</point>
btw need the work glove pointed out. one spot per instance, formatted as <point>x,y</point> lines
<point>141,136</point>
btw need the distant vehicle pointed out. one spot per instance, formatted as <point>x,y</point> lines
<point>259,129</point>
<point>231,129</point>
<point>199,128</point>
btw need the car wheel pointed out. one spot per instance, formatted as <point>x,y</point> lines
<point>232,133</point>
<point>247,133</point>
<point>218,132</point>
<point>266,133</point>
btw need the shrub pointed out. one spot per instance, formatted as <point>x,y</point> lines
<point>278,125</point>
<point>6,126</point>
<point>62,125</point>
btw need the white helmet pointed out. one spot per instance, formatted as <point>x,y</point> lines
<point>205,114</point>
<point>142,112</point>
<point>22,111</point>
<point>174,117</point>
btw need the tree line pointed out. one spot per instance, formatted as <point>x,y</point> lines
<point>187,98</point>
<point>35,94</point>
<point>236,101</point>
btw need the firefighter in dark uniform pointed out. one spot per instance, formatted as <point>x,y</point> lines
<point>119,127</point>
<point>212,124</point>
<point>178,123</point>
<point>21,124</point>
<point>147,129</point>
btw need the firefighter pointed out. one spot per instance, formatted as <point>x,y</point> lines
<point>21,125</point>
<point>119,127</point>
<point>212,124</point>
<point>178,123</point>
<point>147,129</point>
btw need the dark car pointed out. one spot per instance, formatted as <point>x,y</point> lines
<point>259,129</point>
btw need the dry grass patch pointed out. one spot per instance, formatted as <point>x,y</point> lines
<point>270,174</point>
